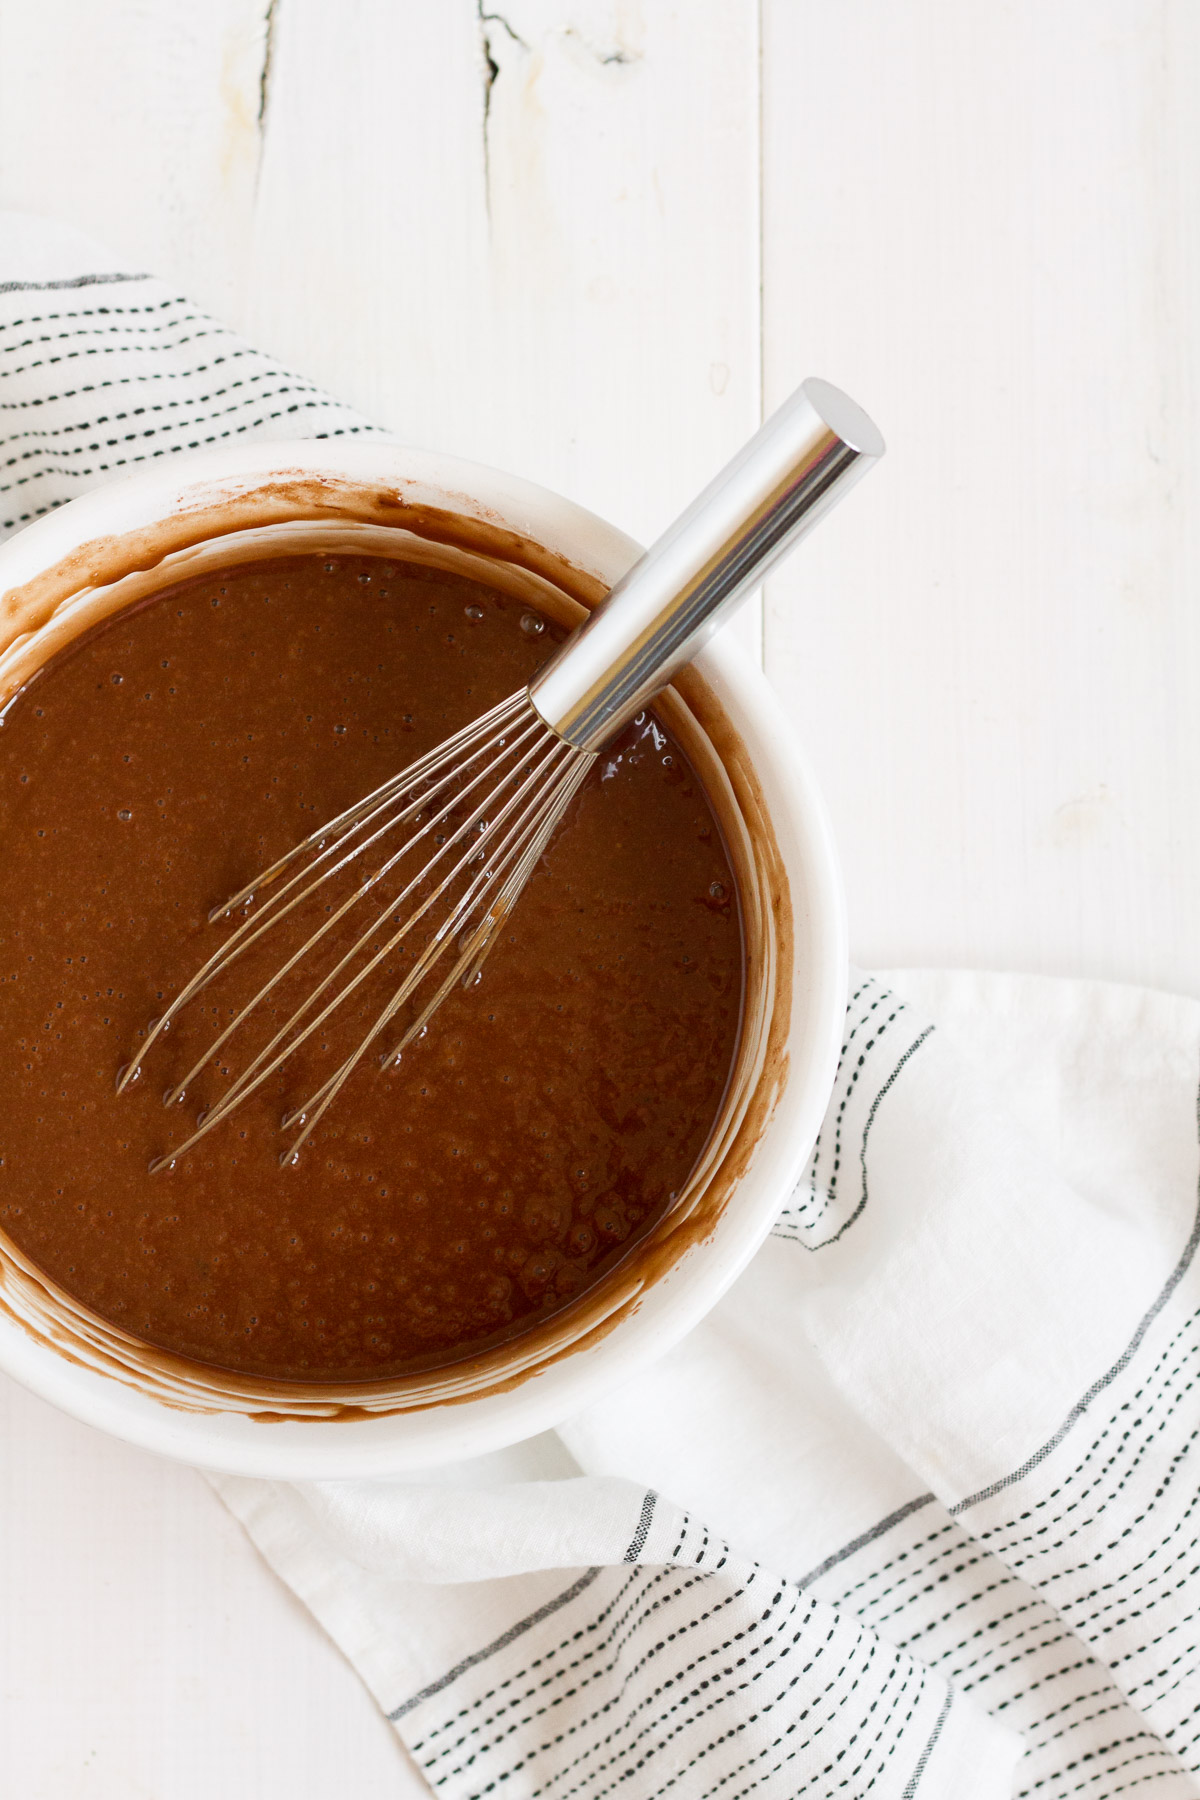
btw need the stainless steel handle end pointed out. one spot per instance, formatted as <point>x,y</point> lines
<point>844,417</point>
<point>793,470</point>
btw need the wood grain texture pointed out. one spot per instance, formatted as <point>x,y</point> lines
<point>524,232</point>
<point>138,122</point>
<point>983,221</point>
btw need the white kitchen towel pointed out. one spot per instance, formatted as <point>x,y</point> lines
<point>913,1512</point>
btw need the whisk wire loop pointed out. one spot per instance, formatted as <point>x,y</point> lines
<point>217,964</point>
<point>255,1073</point>
<point>489,801</point>
<point>455,753</point>
<point>533,838</point>
<point>474,739</point>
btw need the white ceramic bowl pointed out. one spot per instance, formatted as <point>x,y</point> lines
<point>168,521</point>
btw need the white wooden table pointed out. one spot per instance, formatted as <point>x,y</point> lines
<point>588,240</point>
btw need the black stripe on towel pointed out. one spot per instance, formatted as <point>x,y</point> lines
<point>501,1643</point>
<point>914,1780</point>
<point>70,281</point>
<point>643,1531</point>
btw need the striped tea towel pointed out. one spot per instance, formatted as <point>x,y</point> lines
<point>913,1513</point>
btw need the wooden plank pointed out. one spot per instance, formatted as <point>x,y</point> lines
<point>139,125</point>
<point>984,222</point>
<point>527,233</point>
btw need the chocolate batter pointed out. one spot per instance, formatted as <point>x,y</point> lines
<point>542,1124</point>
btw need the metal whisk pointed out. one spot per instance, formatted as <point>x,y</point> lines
<point>451,841</point>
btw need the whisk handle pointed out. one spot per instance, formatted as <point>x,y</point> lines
<point>793,470</point>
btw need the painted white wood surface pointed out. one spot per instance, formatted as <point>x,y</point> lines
<point>985,220</point>
<point>582,239</point>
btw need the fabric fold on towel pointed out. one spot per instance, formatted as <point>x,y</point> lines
<point>913,1512</point>
<point>667,1663</point>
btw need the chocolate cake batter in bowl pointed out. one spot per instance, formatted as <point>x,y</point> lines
<point>197,665</point>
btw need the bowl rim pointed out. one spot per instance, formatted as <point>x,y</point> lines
<point>399,1442</point>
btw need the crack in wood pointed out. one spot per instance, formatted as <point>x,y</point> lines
<point>618,57</point>
<point>264,79</point>
<point>491,73</point>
